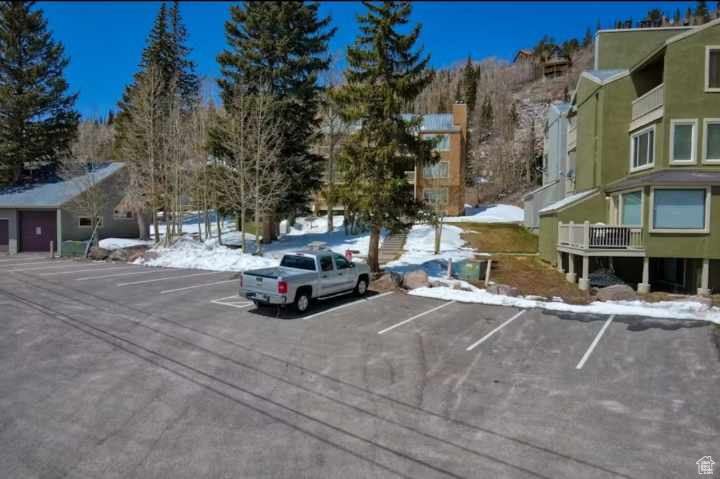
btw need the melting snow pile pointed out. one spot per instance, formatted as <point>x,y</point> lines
<point>490,214</point>
<point>664,309</point>
<point>119,243</point>
<point>192,254</point>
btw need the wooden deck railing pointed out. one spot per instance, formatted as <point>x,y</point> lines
<point>600,236</point>
<point>648,102</point>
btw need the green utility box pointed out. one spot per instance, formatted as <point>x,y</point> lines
<point>469,270</point>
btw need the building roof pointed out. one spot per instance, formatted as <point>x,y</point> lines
<point>605,76</point>
<point>56,194</point>
<point>434,121</point>
<point>668,177</point>
<point>567,201</point>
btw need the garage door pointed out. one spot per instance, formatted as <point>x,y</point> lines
<point>4,235</point>
<point>37,230</point>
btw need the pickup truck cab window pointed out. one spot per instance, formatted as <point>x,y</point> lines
<point>341,262</point>
<point>326,263</point>
<point>298,262</point>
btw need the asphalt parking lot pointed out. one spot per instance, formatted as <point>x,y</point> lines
<point>126,371</point>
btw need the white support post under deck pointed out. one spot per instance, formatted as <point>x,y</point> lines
<point>704,289</point>
<point>644,287</point>
<point>571,276</point>
<point>584,283</point>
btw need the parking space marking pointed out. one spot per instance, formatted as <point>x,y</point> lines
<point>415,317</point>
<point>32,261</point>
<point>594,343</point>
<point>151,270</point>
<point>487,336</point>
<point>196,286</point>
<point>166,278</point>
<point>240,302</point>
<point>66,263</point>
<point>346,305</point>
<point>81,271</point>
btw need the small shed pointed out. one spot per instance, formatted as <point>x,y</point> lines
<point>34,215</point>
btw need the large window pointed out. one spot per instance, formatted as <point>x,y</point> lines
<point>642,153</point>
<point>436,196</point>
<point>712,68</point>
<point>444,142</point>
<point>683,137</point>
<point>631,208</point>
<point>711,142</point>
<point>676,209</point>
<point>438,170</point>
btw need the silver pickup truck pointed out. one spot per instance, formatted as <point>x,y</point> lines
<point>304,276</point>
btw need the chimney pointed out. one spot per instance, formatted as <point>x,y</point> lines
<point>460,115</point>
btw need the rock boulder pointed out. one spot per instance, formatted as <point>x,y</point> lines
<point>98,253</point>
<point>616,292</point>
<point>503,289</point>
<point>416,279</point>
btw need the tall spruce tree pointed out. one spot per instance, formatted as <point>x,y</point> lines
<point>282,47</point>
<point>469,80</point>
<point>385,72</point>
<point>37,118</point>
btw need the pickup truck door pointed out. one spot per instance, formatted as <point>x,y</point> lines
<point>329,279</point>
<point>345,273</point>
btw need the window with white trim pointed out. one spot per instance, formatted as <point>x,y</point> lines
<point>642,146</point>
<point>436,196</point>
<point>631,208</point>
<point>711,141</point>
<point>712,68</point>
<point>683,137</point>
<point>680,209</point>
<point>438,170</point>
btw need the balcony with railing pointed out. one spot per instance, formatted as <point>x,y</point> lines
<point>649,102</point>
<point>600,238</point>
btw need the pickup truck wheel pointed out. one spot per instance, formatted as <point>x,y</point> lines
<point>361,287</point>
<point>302,302</point>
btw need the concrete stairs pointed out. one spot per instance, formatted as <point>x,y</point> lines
<point>392,247</point>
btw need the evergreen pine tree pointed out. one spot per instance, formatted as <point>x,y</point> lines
<point>281,46</point>
<point>469,80</point>
<point>385,72</point>
<point>676,18</point>
<point>588,38</point>
<point>188,83</point>
<point>701,10</point>
<point>37,118</point>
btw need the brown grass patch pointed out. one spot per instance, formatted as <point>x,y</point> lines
<point>499,238</point>
<point>531,276</point>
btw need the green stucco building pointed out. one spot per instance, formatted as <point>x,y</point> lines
<point>644,134</point>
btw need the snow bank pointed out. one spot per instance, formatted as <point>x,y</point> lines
<point>664,310</point>
<point>490,214</point>
<point>118,243</point>
<point>420,250</point>
<point>192,254</point>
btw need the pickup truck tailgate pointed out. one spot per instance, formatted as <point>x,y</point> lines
<point>262,280</point>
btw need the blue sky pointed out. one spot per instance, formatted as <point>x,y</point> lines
<point>104,40</point>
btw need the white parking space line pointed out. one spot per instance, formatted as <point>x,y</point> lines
<point>197,286</point>
<point>54,266</point>
<point>415,317</point>
<point>347,305</point>
<point>234,301</point>
<point>166,278</point>
<point>487,336</point>
<point>115,275</point>
<point>115,268</point>
<point>594,343</point>
<point>18,261</point>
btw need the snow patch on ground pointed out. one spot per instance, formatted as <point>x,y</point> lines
<point>663,310</point>
<point>490,214</point>
<point>420,250</point>
<point>210,255</point>
<point>119,243</point>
